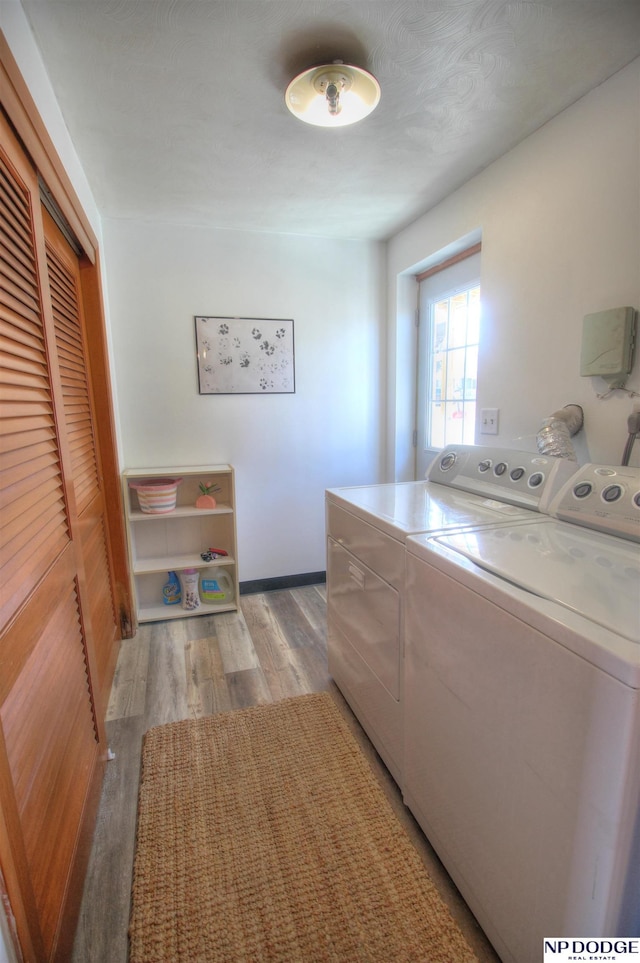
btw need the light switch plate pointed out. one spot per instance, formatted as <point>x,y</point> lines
<point>489,421</point>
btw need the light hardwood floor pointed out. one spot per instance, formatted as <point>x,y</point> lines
<point>273,648</point>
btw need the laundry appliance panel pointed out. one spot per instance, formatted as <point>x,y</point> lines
<point>522,724</point>
<point>367,527</point>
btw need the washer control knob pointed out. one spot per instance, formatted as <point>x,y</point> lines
<point>583,489</point>
<point>612,493</point>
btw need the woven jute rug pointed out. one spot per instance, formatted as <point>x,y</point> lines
<point>263,835</point>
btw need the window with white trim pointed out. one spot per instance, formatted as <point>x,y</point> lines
<point>448,358</point>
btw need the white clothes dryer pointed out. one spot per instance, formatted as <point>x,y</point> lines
<point>522,714</point>
<point>367,527</point>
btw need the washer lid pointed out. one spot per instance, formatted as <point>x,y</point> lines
<point>402,508</point>
<point>597,576</point>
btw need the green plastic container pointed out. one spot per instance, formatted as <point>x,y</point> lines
<point>216,587</point>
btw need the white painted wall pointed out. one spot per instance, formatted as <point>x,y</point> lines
<point>286,449</point>
<point>15,26</point>
<point>559,218</point>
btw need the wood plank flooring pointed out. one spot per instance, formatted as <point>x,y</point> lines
<point>273,648</point>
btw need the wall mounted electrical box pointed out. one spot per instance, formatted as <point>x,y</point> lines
<point>607,345</point>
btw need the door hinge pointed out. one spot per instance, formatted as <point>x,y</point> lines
<point>415,438</point>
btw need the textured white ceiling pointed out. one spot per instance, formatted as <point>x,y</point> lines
<point>176,107</point>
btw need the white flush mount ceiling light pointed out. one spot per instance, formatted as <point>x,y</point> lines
<point>332,95</point>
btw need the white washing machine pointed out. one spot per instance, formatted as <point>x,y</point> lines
<point>366,532</point>
<point>522,714</point>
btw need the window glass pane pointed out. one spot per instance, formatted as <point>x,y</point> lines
<point>455,374</point>
<point>440,325</point>
<point>473,323</point>
<point>453,369</point>
<point>471,368</point>
<point>437,376</point>
<point>458,321</point>
<point>453,422</point>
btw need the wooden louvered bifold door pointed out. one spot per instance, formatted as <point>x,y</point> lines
<point>51,734</point>
<point>64,287</point>
<point>35,527</point>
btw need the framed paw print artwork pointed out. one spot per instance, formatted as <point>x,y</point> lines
<point>245,356</point>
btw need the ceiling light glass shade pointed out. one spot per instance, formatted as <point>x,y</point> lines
<point>332,95</point>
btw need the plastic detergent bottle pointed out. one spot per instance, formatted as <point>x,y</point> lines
<point>190,594</point>
<point>171,594</point>
<point>217,587</point>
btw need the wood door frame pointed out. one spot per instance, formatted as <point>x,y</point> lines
<point>23,115</point>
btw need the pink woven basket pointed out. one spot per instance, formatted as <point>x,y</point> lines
<point>157,496</point>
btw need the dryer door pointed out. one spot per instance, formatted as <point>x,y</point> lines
<point>366,609</point>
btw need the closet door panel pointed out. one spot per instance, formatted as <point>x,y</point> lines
<point>72,366</point>
<point>51,755</point>
<point>51,741</point>
<point>32,499</point>
<point>79,419</point>
<point>93,538</point>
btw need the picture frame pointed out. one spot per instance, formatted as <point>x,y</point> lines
<point>245,355</point>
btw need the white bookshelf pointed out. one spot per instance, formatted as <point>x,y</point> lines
<point>171,542</point>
